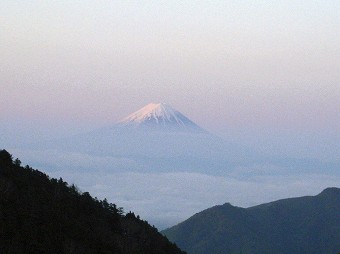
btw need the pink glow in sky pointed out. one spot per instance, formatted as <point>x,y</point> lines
<point>263,74</point>
<point>260,64</point>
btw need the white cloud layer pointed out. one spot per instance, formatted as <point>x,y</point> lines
<point>164,198</point>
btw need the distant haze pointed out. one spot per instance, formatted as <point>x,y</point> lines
<point>225,64</point>
<point>160,164</point>
<point>261,74</point>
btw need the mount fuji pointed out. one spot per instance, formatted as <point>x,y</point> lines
<point>159,116</point>
<point>158,138</point>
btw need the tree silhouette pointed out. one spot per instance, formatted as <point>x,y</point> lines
<point>39,214</point>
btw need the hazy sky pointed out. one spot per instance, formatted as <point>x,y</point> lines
<point>264,73</point>
<point>225,64</point>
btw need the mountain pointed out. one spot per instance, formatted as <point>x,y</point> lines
<point>157,117</point>
<point>43,215</point>
<point>156,137</point>
<point>296,225</point>
<point>159,138</point>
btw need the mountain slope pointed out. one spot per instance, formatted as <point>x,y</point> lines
<point>296,225</point>
<point>43,215</point>
<point>157,137</point>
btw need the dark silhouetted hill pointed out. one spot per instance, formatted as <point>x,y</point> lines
<point>297,225</point>
<point>43,215</point>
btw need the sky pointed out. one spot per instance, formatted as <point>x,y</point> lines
<point>227,64</point>
<point>265,74</point>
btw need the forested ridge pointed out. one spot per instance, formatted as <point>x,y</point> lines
<point>39,214</point>
<point>301,225</point>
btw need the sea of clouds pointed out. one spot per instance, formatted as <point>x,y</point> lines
<point>167,198</point>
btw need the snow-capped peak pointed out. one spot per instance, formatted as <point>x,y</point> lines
<point>158,115</point>
<point>159,112</point>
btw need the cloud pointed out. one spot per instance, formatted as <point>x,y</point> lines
<point>167,198</point>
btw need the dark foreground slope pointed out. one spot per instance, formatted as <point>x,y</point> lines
<point>295,225</point>
<point>43,215</point>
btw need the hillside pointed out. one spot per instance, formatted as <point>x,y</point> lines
<point>297,225</point>
<point>43,215</point>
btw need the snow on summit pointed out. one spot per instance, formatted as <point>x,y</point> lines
<point>158,112</point>
<point>158,115</point>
